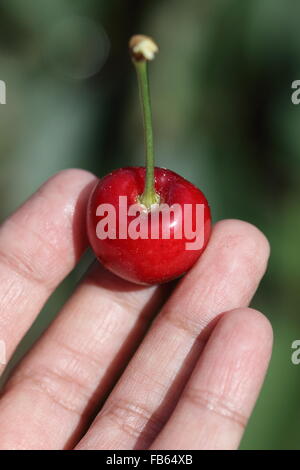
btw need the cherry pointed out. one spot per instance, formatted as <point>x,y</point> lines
<point>148,225</point>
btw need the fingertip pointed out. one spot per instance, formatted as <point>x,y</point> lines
<point>70,178</point>
<point>251,326</point>
<point>240,228</point>
<point>247,239</point>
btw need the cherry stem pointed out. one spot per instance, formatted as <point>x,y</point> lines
<point>140,57</point>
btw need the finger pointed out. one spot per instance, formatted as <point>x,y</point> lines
<point>218,399</point>
<point>39,245</point>
<point>225,277</point>
<point>70,370</point>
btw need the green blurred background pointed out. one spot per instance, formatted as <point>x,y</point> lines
<point>223,118</point>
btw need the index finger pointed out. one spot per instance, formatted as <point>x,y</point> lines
<point>39,245</point>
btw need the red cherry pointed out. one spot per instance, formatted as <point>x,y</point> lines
<point>147,261</point>
<point>159,248</point>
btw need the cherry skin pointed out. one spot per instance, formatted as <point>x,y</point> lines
<point>147,260</point>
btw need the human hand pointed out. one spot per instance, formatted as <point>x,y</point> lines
<point>188,380</point>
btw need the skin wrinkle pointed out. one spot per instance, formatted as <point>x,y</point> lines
<point>106,330</point>
<point>190,326</point>
<point>216,403</point>
<point>106,327</point>
<point>23,269</point>
<point>168,368</point>
<point>239,386</point>
<point>131,418</point>
<point>118,308</point>
<point>82,360</point>
<point>28,264</point>
<point>88,353</point>
<point>115,317</point>
<point>139,376</point>
<point>130,303</point>
<point>47,384</point>
<point>11,291</point>
<point>103,333</point>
